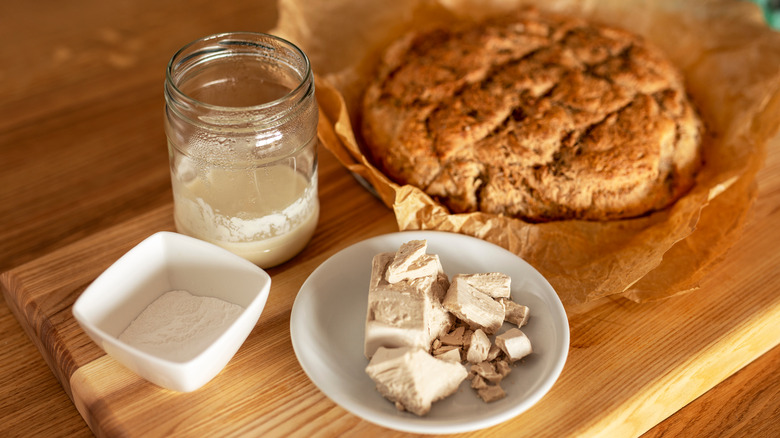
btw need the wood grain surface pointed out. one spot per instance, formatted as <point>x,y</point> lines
<point>84,176</point>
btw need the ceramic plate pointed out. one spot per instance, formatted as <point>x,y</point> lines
<point>328,318</point>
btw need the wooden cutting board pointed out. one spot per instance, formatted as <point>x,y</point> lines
<point>629,367</point>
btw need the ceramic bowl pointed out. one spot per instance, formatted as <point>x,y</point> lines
<point>163,262</point>
<point>328,320</point>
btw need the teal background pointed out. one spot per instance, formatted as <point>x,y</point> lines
<point>771,10</point>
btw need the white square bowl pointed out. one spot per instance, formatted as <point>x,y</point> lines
<point>163,262</point>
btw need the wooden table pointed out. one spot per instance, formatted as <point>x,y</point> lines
<point>82,150</point>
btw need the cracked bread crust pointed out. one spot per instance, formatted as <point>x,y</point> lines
<point>535,116</point>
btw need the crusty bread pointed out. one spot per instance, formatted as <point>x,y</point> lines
<point>536,116</point>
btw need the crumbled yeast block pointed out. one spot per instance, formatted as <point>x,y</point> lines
<point>451,355</point>
<point>476,308</point>
<point>515,313</point>
<point>408,261</point>
<point>467,334</point>
<point>478,382</point>
<point>413,379</point>
<point>415,309</point>
<point>405,313</point>
<point>487,371</point>
<point>494,284</point>
<point>478,347</point>
<point>455,337</point>
<point>493,353</point>
<point>515,344</point>
<point>442,283</point>
<point>503,368</point>
<point>445,348</point>
<point>425,266</point>
<point>491,393</point>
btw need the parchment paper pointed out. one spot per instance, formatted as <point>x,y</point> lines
<point>731,63</point>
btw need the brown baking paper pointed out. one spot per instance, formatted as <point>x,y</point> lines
<point>731,63</point>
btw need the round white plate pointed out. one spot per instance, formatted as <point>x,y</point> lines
<point>328,319</point>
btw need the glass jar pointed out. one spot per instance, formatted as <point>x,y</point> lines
<point>241,122</point>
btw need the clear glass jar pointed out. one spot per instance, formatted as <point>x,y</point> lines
<point>241,122</point>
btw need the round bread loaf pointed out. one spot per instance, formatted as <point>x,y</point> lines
<point>535,116</point>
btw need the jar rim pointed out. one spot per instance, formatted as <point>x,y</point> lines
<point>244,38</point>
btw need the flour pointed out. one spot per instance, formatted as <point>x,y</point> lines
<point>178,325</point>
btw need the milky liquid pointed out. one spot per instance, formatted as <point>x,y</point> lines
<point>266,214</point>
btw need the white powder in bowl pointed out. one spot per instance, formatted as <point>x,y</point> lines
<point>178,325</point>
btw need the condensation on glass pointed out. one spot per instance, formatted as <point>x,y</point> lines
<point>241,122</point>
